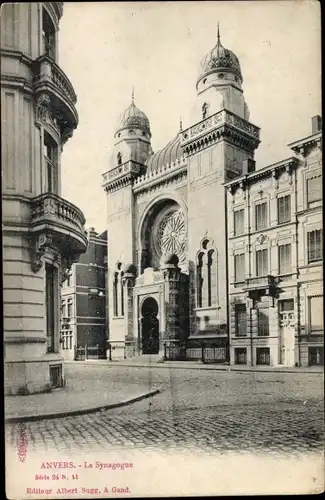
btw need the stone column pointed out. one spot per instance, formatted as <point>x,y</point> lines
<point>172,274</point>
<point>128,285</point>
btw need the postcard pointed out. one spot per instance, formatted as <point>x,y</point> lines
<point>162,249</point>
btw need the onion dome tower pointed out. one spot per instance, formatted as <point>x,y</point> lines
<point>219,84</point>
<point>132,137</point>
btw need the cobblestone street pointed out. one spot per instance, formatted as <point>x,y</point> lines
<point>214,412</point>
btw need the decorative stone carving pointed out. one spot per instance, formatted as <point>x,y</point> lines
<point>261,238</point>
<point>275,179</point>
<point>45,113</point>
<point>43,107</point>
<point>66,133</point>
<point>50,206</point>
<point>42,244</point>
<point>289,174</point>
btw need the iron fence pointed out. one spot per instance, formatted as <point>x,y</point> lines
<point>82,353</point>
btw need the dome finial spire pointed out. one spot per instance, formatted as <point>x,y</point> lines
<point>132,94</point>
<point>180,124</point>
<point>218,33</point>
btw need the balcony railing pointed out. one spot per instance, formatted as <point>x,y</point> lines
<point>51,213</point>
<point>49,79</point>
<point>259,286</point>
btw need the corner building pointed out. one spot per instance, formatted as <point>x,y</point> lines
<point>172,247</point>
<point>43,234</point>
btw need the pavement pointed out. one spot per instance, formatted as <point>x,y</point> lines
<point>95,391</point>
<point>81,395</point>
<point>209,412</point>
<point>156,361</point>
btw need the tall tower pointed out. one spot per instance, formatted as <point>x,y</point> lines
<point>219,146</point>
<point>42,233</point>
<point>131,150</point>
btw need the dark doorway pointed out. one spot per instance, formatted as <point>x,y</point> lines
<point>150,327</point>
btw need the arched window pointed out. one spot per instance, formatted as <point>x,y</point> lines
<point>205,108</point>
<point>49,35</point>
<point>118,291</point>
<point>115,298</point>
<point>119,159</point>
<point>206,275</point>
<point>122,293</point>
<point>199,281</point>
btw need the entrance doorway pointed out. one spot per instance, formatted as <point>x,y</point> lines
<point>150,326</point>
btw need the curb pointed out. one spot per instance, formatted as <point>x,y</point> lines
<point>223,369</point>
<point>30,418</point>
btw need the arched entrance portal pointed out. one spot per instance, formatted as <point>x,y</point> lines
<point>150,326</point>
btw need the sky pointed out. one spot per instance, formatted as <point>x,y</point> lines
<point>105,48</point>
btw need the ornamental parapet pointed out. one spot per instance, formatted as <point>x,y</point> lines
<point>121,175</point>
<point>53,88</point>
<point>202,134</point>
<point>57,223</point>
<point>169,170</point>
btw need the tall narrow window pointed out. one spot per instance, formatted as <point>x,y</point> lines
<point>70,308</point>
<point>119,159</point>
<point>50,280</point>
<point>122,293</point>
<point>284,209</point>
<point>240,267</point>
<point>263,322</point>
<point>210,275</point>
<point>199,280</point>
<point>261,216</point>
<point>262,268</point>
<point>50,155</point>
<point>115,294</point>
<point>239,222</point>
<point>314,190</point>
<point>240,320</point>
<point>285,263</point>
<point>49,35</point>
<point>118,291</point>
<point>315,245</point>
<point>206,276</point>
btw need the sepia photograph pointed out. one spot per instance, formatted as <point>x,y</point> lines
<point>162,249</point>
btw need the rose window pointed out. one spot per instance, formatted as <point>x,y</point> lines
<point>171,235</point>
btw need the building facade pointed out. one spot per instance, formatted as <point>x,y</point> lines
<point>42,232</point>
<point>83,303</point>
<point>275,260</point>
<point>175,287</point>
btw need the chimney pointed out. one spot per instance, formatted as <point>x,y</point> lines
<point>248,166</point>
<point>316,124</point>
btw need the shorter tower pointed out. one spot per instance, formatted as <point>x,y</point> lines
<point>131,150</point>
<point>132,138</point>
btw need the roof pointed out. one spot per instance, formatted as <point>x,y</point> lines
<point>170,153</point>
